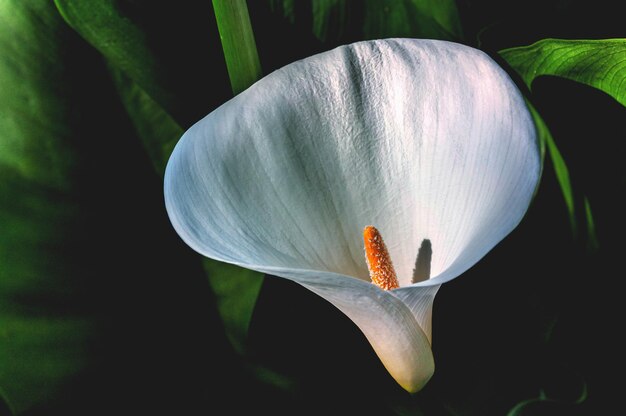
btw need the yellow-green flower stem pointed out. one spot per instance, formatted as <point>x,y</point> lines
<point>242,58</point>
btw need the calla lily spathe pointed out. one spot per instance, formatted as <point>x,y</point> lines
<point>426,140</point>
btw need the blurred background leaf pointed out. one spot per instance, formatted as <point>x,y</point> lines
<point>104,311</point>
<point>287,30</point>
<point>163,97</point>
<point>543,405</point>
<point>45,324</point>
<point>493,25</point>
<point>560,167</point>
<point>158,131</point>
<point>373,19</point>
<point>597,63</point>
<point>102,308</point>
<point>144,38</point>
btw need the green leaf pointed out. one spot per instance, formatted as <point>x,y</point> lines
<point>160,96</point>
<point>236,292</point>
<point>543,132</point>
<point>40,348</point>
<point>158,131</point>
<point>143,39</point>
<point>331,20</point>
<point>597,63</point>
<point>544,405</point>
<point>120,40</point>
<point>101,307</point>
<point>235,289</point>
<point>242,59</point>
<point>561,171</point>
<point>562,175</point>
<point>592,239</point>
<point>412,18</point>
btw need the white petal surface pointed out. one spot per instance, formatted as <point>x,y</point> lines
<point>419,300</point>
<point>423,139</point>
<point>386,322</point>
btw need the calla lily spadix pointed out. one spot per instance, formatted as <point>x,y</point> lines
<point>425,144</point>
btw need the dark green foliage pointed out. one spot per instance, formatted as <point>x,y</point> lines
<point>103,310</point>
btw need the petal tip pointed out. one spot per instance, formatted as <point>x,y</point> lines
<point>415,381</point>
<point>415,387</point>
<point>411,368</point>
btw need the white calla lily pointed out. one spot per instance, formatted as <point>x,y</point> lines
<point>429,141</point>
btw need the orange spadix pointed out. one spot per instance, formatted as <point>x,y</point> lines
<point>378,260</point>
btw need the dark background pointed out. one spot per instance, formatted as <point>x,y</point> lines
<point>537,321</point>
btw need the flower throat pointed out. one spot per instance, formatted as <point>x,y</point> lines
<point>379,262</point>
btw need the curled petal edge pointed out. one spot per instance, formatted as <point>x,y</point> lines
<point>390,326</point>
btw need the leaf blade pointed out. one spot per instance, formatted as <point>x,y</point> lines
<point>160,97</point>
<point>130,36</point>
<point>598,63</point>
<point>333,20</point>
<point>242,59</point>
<point>561,171</point>
<point>412,18</point>
<point>236,289</point>
<point>34,165</point>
